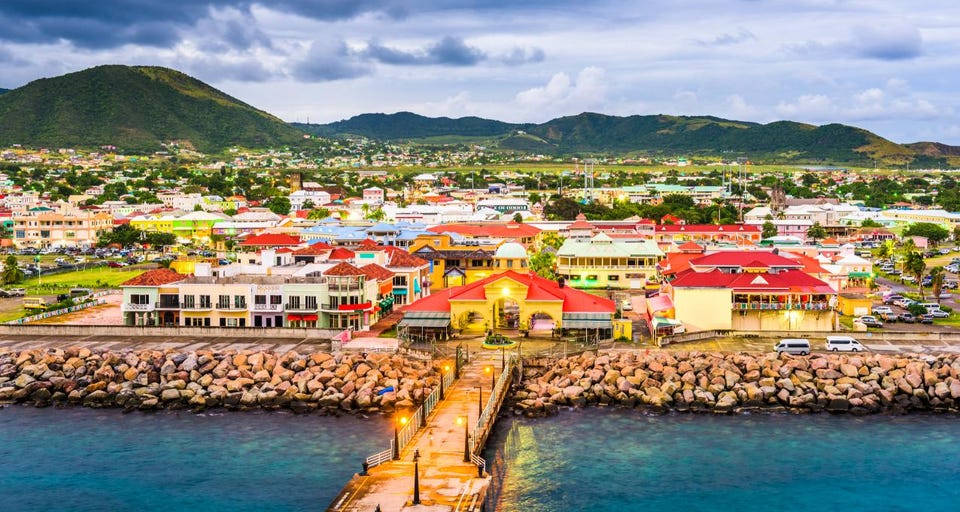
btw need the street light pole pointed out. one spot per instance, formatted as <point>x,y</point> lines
<point>416,477</point>
<point>466,438</point>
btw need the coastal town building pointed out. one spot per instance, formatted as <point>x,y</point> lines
<point>68,228</point>
<point>602,262</point>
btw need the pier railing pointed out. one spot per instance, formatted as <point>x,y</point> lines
<point>413,425</point>
<point>481,429</point>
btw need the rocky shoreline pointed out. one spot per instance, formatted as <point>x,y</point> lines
<point>737,382</point>
<point>155,379</point>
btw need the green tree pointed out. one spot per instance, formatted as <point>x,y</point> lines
<point>376,215</point>
<point>11,270</point>
<point>318,214</point>
<point>816,232</point>
<point>915,265</point>
<point>956,233</point>
<point>518,218</point>
<point>769,230</point>
<point>870,223</point>
<point>279,205</point>
<point>935,233</point>
<point>552,239</point>
<point>937,276</point>
<point>543,264</point>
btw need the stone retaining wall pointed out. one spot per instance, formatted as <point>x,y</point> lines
<point>727,382</point>
<point>168,331</point>
<point>153,379</point>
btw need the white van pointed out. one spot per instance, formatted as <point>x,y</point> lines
<point>930,306</point>
<point>844,344</point>
<point>799,346</point>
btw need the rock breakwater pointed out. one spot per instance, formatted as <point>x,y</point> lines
<point>730,382</point>
<point>154,379</point>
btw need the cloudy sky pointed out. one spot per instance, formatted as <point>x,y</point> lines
<point>889,66</point>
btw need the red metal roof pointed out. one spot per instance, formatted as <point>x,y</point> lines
<point>317,249</point>
<point>708,228</point>
<point>787,280</point>
<point>341,254</point>
<point>752,259</point>
<point>155,277</point>
<point>374,271</point>
<point>271,240</point>
<point>508,230</point>
<point>343,269</point>
<point>538,289</point>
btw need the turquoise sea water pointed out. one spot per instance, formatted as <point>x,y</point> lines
<point>607,460</point>
<point>104,460</point>
<point>590,460</point>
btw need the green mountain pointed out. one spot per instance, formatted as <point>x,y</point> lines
<point>654,134</point>
<point>135,108</point>
<point>4,90</point>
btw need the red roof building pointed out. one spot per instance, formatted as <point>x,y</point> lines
<point>269,240</point>
<point>523,233</point>
<point>155,277</point>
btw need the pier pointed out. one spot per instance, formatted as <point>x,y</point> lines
<point>434,462</point>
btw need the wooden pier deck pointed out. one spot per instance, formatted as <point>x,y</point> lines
<point>447,483</point>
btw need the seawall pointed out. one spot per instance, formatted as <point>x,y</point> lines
<point>729,382</point>
<point>155,379</point>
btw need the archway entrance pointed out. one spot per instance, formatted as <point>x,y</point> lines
<point>542,322</point>
<point>507,313</point>
<point>473,322</point>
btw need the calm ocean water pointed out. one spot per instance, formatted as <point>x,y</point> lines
<point>102,460</point>
<point>591,460</point>
<point>607,460</point>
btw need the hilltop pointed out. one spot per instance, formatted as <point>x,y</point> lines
<point>135,108</point>
<point>652,134</point>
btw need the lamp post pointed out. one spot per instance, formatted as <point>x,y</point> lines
<point>480,401</point>
<point>402,420</point>
<point>443,377</point>
<point>416,477</point>
<point>493,380</point>
<point>466,437</point>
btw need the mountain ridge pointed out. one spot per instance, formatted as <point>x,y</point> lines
<point>134,108</point>
<point>591,132</point>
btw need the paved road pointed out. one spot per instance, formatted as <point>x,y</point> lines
<point>766,345</point>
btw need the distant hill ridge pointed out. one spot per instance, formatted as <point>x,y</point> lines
<point>134,108</point>
<point>599,133</point>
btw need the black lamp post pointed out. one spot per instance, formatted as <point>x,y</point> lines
<point>466,439</point>
<point>480,402</point>
<point>396,436</point>
<point>416,477</point>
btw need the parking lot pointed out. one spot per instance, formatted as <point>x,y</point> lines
<point>872,343</point>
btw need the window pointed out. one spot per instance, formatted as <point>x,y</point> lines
<point>239,301</point>
<point>476,263</point>
<point>205,301</point>
<point>259,299</point>
<point>223,301</point>
<point>140,299</point>
<point>509,263</point>
<point>276,299</point>
<point>592,277</point>
<point>189,301</point>
<point>613,277</point>
<point>311,302</point>
<point>334,302</point>
<point>294,302</point>
<point>400,280</point>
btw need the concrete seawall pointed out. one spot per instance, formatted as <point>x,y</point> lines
<point>165,332</point>
<point>879,336</point>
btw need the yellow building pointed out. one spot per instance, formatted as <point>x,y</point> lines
<point>45,228</point>
<point>455,264</point>
<point>753,301</point>
<point>510,300</point>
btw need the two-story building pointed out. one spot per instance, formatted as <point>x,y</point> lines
<point>602,262</point>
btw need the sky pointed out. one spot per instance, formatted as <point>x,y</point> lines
<point>887,66</point>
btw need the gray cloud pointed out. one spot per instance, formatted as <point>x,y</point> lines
<point>449,51</point>
<point>726,39</point>
<point>891,43</point>
<point>326,61</point>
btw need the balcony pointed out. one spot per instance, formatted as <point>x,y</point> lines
<point>335,287</point>
<point>268,307</point>
<point>165,304</point>
<point>763,306</point>
<point>232,307</point>
<point>196,307</point>
<point>137,307</point>
<point>300,308</point>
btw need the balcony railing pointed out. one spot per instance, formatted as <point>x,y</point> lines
<point>302,308</point>
<point>268,307</point>
<point>232,306</point>
<point>333,287</point>
<point>137,307</point>
<point>196,306</point>
<point>797,306</point>
<point>168,305</point>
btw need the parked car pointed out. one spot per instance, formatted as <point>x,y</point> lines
<point>892,299</point>
<point>887,317</point>
<point>870,321</point>
<point>944,251</point>
<point>905,302</point>
<point>799,346</point>
<point>627,305</point>
<point>907,318</point>
<point>843,344</point>
<point>925,319</point>
<point>882,310</point>
<point>939,313</point>
<point>908,278</point>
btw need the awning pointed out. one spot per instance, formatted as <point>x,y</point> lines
<point>424,322</point>
<point>587,321</point>
<point>309,318</point>
<point>294,318</point>
<point>354,307</point>
<point>399,291</point>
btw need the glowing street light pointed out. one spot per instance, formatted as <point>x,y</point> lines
<point>462,420</point>
<point>401,421</point>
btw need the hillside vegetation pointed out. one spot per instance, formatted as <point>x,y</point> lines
<point>135,108</point>
<point>655,134</point>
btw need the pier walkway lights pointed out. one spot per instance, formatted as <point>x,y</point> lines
<point>462,420</point>
<point>401,421</point>
<point>493,380</point>
<point>443,376</point>
<point>416,477</point>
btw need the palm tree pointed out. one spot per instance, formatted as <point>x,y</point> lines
<point>936,281</point>
<point>915,265</point>
<point>905,250</point>
<point>11,271</point>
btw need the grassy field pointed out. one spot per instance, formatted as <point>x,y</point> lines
<point>100,277</point>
